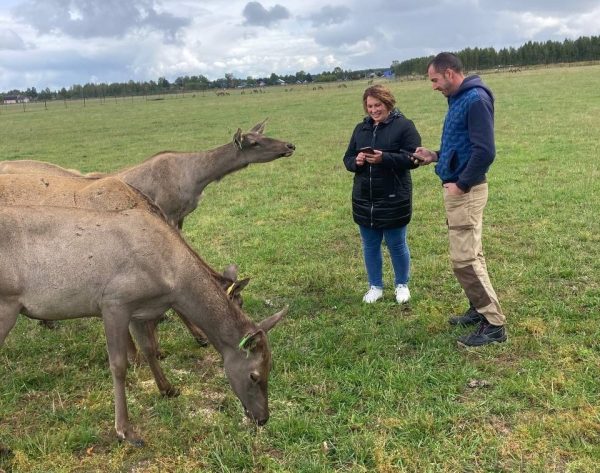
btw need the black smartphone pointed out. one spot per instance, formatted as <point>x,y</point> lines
<point>367,150</point>
<point>414,156</point>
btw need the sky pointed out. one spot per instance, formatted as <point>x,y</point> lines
<point>59,43</point>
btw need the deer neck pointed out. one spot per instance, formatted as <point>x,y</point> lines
<point>204,303</point>
<point>214,164</point>
<point>174,180</point>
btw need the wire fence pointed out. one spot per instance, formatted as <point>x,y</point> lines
<point>84,102</point>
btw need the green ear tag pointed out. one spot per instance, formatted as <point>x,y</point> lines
<point>243,342</point>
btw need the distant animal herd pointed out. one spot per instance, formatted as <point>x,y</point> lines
<point>110,245</point>
<point>223,93</point>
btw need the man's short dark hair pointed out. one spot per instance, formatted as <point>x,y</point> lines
<point>445,61</point>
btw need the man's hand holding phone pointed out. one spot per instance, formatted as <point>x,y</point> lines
<point>423,156</point>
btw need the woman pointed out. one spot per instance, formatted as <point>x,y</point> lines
<point>382,190</point>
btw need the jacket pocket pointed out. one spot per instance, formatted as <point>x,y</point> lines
<point>453,162</point>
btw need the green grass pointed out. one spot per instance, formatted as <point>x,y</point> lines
<point>354,388</point>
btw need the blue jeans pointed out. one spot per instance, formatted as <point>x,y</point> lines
<point>395,239</point>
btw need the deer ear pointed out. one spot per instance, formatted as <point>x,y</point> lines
<point>242,283</point>
<point>236,287</point>
<point>231,272</point>
<point>269,323</point>
<point>237,138</point>
<point>259,127</point>
<point>250,340</point>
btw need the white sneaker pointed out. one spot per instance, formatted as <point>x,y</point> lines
<point>373,294</point>
<point>402,293</point>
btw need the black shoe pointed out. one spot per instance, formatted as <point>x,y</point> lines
<point>485,334</point>
<point>470,317</point>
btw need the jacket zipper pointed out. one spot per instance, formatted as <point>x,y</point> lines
<point>371,175</point>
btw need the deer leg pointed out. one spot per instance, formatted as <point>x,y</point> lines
<point>145,336</point>
<point>133,356</point>
<point>8,317</point>
<point>195,331</point>
<point>153,333</point>
<point>116,322</point>
<point>9,312</point>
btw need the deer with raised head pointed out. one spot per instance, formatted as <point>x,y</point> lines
<point>175,180</point>
<point>129,267</point>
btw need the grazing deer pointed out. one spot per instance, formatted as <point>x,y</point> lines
<point>21,166</point>
<point>62,263</point>
<point>109,193</point>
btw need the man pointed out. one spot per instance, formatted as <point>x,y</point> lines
<point>466,153</point>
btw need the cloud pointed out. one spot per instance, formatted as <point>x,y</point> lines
<point>257,15</point>
<point>329,15</point>
<point>97,19</point>
<point>9,40</point>
<point>55,43</point>
<point>547,7</point>
<point>339,36</point>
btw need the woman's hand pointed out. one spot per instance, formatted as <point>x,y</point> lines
<point>375,158</point>
<point>360,159</point>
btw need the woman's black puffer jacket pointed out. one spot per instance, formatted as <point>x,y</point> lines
<point>382,193</point>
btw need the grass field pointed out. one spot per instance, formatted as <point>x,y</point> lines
<point>354,388</point>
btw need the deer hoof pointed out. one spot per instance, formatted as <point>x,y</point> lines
<point>136,442</point>
<point>51,324</point>
<point>160,355</point>
<point>201,341</point>
<point>132,439</point>
<point>171,392</point>
<point>5,452</point>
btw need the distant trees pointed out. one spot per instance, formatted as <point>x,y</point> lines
<point>45,94</point>
<point>31,93</point>
<point>530,54</point>
<point>192,82</point>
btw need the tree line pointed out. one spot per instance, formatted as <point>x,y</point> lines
<point>184,84</point>
<point>531,53</point>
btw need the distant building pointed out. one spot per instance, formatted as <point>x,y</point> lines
<point>8,99</point>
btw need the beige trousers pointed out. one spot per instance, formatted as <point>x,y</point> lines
<point>465,224</point>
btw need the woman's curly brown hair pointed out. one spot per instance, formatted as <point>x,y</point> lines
<point>381,93</point>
